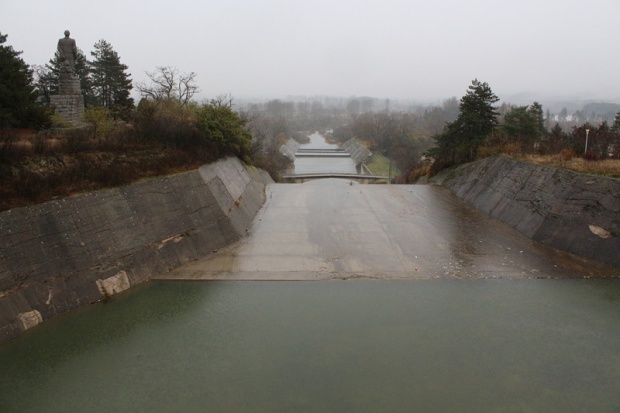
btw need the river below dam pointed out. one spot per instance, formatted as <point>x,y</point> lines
<point>327,346</point>
<point>305,165</point>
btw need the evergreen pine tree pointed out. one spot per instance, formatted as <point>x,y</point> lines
<point>18,97</point>
<point>536,112</point>
<point>477,118</point>
<point>110,82</point>
<point>615,127</point>
<point>525,124</point>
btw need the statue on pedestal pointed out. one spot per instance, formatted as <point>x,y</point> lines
<point>69,102</point>
<point>67,49</point>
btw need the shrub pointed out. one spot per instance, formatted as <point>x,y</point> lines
<point>101,121</point>
<point>8,138</point>
<point>272,161</point>
<point>224,131</point>
<point>591,156</point>
<point>423,170</point>
<point>40,143</point>
<point>58,121</point>
<point>167,122</point>
<point>567,154</point>
<point>77,140</point>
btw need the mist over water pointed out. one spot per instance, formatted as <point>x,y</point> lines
<point>317,141</point>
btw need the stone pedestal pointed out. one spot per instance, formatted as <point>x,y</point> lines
<point>69,102</point>
<point>69,85</point>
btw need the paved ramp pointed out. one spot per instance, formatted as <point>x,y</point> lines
<point>335,229</point>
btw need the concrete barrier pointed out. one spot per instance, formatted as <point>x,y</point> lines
<point>570,211</point>
<point>75,251</point>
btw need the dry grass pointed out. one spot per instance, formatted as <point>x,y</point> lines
<point>607,167</point>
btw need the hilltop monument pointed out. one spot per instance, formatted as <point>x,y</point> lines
<point>69,102</point>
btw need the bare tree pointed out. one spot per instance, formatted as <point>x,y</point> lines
<point>167,83</point>
<point>222,101</point>
<point>186,88</point>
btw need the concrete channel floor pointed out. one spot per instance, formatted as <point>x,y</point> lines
<point>337,229</point>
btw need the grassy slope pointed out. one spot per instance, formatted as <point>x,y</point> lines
<point>32,179</point>
<point>379,165</point>
<point>607,167</point>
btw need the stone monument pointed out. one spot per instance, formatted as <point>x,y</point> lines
<point>69,102</point>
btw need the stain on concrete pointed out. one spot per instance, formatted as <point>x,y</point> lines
<point>114,284</point>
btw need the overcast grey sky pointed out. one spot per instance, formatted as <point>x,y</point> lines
<point>402,49</point>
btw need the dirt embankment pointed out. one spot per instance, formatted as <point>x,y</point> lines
<point>38,167</point>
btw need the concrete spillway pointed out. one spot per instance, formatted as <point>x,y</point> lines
<point>335,229</point>
<point>67,253</point>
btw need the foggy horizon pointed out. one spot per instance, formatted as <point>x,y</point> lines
<point>532,50</point>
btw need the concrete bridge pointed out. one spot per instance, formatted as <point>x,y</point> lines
<point>322,153</point>
<point>326,168</point>
<point>361,178</point>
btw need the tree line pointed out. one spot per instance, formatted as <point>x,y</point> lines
<point>428,140</point>
<point>18,95</point>
<point>166,113</point>
<point>453,132</point>
<point>166,132</point>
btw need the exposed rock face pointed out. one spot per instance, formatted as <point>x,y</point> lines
<point>63,254</point>
<point>567,210</point>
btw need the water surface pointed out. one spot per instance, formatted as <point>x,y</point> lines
<point>322,165</point>
<point>345,346</point>
<point>318,141</point>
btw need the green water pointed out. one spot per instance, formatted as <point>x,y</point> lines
<point>333,346</point>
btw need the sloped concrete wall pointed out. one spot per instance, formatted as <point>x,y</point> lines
<point>359,153</point>
<point>573,212</point>
<point>63,254</point>
<point>290,148</point>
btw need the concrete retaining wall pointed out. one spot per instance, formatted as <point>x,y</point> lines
<point>359,153</point>
<point>290,148</point>
<point>63,254</point>
<point>569,211</point>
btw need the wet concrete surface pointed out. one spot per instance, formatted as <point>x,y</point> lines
<point>335,229</point>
